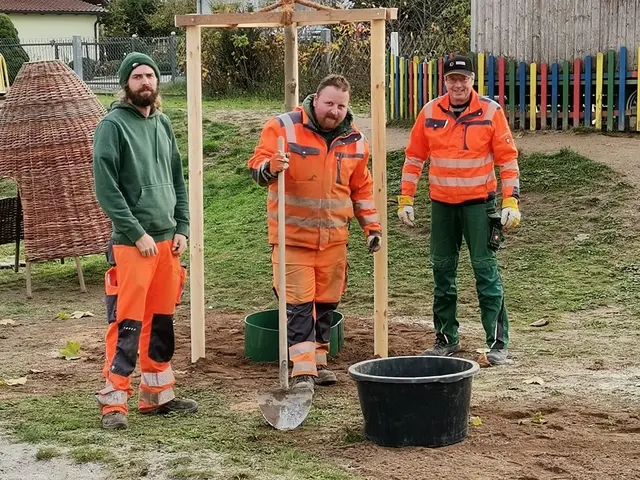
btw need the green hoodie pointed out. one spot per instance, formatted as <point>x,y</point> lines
<point>138,175</point>
<point>328,135</point>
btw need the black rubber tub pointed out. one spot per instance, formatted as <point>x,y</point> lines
<point>415,401</point>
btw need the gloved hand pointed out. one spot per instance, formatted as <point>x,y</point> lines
<point>278,162</point>
<point>510,212</point>
<point>374,242</point>
<point>405,210</point>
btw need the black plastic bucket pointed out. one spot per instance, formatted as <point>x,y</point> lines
<point>415,401</point>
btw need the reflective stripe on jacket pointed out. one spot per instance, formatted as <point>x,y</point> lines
<point>462,152</point>
<point>324,187</point>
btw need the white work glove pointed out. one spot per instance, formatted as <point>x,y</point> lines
<point>405,210</point>
<point>510,213</point>
<point>374,242</point>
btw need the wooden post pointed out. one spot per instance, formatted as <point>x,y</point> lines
<point>29,291</point>
<point>379,155</point>
<point>83,287</point>
<point>196,192</point>
<point>291,87</point>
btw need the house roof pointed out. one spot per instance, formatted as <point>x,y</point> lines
<point>49,6</point>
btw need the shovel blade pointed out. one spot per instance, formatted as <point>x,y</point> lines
<point>285,409</point>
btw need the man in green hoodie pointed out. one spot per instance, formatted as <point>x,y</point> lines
<point>140,185</point>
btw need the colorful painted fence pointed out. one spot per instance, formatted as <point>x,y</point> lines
<point>596,91</point>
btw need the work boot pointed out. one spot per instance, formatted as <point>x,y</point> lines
<point>177,405</point>
<point>303,382</point>
<point>114,421</point>
<point>442,349</point>
<point>325,376</point>
<point>497,356</point>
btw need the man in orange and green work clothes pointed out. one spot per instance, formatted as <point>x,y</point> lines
<point>463,136</point>
<point>140,186</point>
<point>327,183</point>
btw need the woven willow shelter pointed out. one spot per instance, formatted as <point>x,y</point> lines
<point>46,146</point>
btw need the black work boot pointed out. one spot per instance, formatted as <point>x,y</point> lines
<point>114,421</point>
<point>177,405</point>
<point>325,376</point>
<point>442,348</point>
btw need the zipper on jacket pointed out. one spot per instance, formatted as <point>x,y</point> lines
<point>339,162</point>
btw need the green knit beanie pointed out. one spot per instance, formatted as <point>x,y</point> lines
<point>133,60</point>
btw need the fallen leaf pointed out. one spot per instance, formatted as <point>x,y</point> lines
<point>483,350</point>
<point>476,421</point>
<point>63,316</point>
<point>180,372</point>
<point>538,419</point>
<point>543,322</point>
<point>7,321</point>
<point>15,381</point>
<point>581,237</point>
<point>78,314</point>
<point>483,361</point>
<point>536,380</point>
<point>33,370</point>
<point>70,351</point>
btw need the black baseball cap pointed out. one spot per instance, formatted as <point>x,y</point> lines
<point>458,64</point>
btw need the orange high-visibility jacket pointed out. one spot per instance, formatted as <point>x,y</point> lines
<point>324,187</point>
<point>462,152</point>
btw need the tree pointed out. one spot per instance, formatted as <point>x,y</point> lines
<point>127,17</point>
<point>163,21</point>
<point>10,47</point>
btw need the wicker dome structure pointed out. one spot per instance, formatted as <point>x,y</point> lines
<point>46,146</point>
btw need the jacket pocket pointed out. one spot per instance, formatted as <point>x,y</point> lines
<point>303,163</point>
<point>155,208</point>
<point>477,135</point>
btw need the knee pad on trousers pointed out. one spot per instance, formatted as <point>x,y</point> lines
<point>300,322</point>
<point>444,264</point>
<point>124,361</point>
<point>162,341</point>
<point>323,309</point>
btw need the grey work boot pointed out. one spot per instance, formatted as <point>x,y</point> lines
<point>114,421</point>
<point>177,405</point>
<point>442,349</point>
<point>303,382</point>
<point>325,376</point>
<point>497,356</point>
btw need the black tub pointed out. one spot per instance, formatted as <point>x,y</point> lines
<point>415,401</point>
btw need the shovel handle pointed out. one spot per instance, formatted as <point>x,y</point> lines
<point>282,281</point>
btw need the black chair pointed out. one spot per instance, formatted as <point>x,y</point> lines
<point>11,225</point>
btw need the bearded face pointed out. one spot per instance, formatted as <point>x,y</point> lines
<point>331,106</point>
<point>142,88</point>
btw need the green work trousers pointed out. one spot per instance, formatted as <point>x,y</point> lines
<point>449,224</point>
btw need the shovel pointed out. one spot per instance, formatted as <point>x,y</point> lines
<point>284,409</point>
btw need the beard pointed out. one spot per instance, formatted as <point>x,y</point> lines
<point>328,122</point>
<point>140,100</point>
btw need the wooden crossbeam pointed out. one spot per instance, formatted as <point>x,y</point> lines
<point>274,19</point>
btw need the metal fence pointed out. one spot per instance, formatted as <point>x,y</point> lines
<point>97,62</point>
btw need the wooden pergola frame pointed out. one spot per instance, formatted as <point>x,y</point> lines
<point>289,19</point>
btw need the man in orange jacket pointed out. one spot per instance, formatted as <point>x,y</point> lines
<point>327,183</point>
<point>463,136</point>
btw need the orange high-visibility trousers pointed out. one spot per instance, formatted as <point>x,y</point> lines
<point>141,295</point>
<point>316,280</point>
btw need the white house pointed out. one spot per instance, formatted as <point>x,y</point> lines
<point>53,19</point>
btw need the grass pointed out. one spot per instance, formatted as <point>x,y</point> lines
<point>47,453</point>
<point>220,443</point>
<point>574,252</point>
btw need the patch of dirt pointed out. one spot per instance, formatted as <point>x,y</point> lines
<point>590,413</point>
<point>18,462</point>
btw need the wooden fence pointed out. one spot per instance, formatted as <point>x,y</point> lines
<point>595,91</point>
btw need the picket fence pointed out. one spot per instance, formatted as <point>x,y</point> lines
<point>597,92</point>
